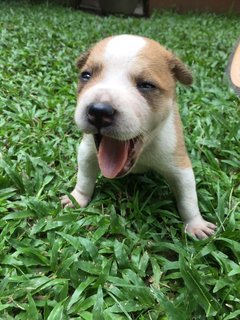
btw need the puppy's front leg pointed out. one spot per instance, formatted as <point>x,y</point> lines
<point>87,173</point>
<point>182,182</point>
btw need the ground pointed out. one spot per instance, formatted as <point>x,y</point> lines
<point>125,256</point>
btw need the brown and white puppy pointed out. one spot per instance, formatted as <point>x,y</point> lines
<point>127,110</point>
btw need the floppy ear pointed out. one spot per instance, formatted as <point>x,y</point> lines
<point>82,59</point>
<point>180,71</point>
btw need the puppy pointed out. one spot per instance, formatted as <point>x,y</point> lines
<point>127,110</point>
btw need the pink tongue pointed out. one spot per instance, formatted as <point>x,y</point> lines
<point>112,156</point>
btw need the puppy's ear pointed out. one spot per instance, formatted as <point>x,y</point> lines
<point>80,62</point>
<point>180,71</point>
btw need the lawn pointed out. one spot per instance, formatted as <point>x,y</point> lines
<point>125,256</point>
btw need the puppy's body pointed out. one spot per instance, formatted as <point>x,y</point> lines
<point>126,108</point>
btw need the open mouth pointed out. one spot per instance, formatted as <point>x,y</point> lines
<point>116,157</point>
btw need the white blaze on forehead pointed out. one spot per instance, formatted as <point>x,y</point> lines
<point>124,48</point>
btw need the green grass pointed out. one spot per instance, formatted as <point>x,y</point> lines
<point>125,255</point>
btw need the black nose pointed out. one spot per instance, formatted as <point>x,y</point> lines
<point>100,114</point>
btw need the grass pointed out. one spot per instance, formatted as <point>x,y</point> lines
<point>125,255</point>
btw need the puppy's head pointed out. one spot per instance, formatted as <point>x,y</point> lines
<point>126,90</point>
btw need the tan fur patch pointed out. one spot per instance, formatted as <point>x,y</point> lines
<point>153,62</point>
<point>91,61</point>
<point>181,155</point>
<point>152,66</point>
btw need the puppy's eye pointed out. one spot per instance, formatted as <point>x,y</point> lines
<point>85,76</point>
<point>145,86</point>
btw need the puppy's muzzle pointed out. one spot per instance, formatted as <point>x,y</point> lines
<point>115,157</point>
<point>100,114</point>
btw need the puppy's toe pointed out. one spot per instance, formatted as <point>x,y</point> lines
<point>200,229</point>
<point>66,202</point>
<point>80,198</point>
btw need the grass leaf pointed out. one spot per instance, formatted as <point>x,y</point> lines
<point>98,306</point>
<point>199,292</point>
<point>57,312</point>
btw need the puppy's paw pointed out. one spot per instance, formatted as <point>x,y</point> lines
<point>200,228</point>
<point>81,199</point>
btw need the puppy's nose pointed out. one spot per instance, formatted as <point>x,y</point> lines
<point>100,114</point>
